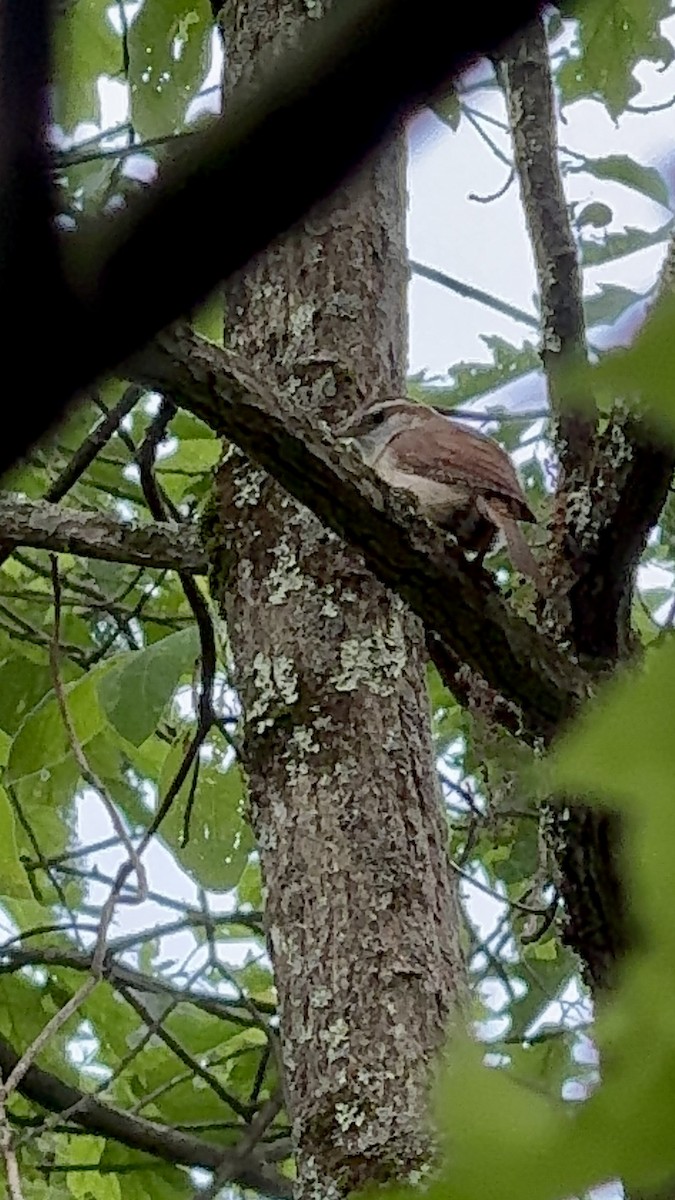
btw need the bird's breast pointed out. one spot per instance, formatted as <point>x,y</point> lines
<point>436,498</point>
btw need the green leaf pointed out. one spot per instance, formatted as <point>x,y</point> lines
<point>22,1015</point>
<point>608,303</point>
<point>544,1065</point>
<point>612,39</point>
<point>654,598</point>
<point>544,983</point>
<point>203,1032</point>
<point>81,1151</point>
<point>622,169</point>
<point>107,576</point>
<point>27,481</point>
<point>41,740</point>
<point>643,374</point>
<point>193,457</point>
<point>168,48</point>
<point>449,109</point>
<point>22,684</point>
<point>136,692</point>
<point>619,245</point>
<point>545,951</point>
<point>13,878</point>
<point>596,214</point>
<point>249,887</point>
<point>186,427</point>
<point>86,47</point>
<point>219,839</point>
<point>110,762</point>
<point>473,379</point>
<point>209,318</point>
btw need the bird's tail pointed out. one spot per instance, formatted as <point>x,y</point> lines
<point>519,552</point>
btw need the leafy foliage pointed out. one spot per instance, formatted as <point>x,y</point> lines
<point>168,44</point>
<point>612,40</point>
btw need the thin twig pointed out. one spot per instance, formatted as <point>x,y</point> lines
<point>468,292</point>
<point>488,891</point>
<point>9,1155</point>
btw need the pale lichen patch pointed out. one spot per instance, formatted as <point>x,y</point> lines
<point>348,1116</point>
<point>276,689</point>
<point>579,514</point>
<point>248,486</point>
<point>375,660</point>
<point>285,576</point>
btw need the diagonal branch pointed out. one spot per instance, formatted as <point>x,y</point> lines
<point>458,601</point>
<point>226,1008</point>
<point>166,1143</point>
<point>43,526</point>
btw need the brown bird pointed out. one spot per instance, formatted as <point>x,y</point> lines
<point>463,480</point>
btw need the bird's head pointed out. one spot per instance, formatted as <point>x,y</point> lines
<point>375,423</point>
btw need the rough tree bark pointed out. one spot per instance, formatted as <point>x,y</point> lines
<point>361,907</point>
<point>611,488</point>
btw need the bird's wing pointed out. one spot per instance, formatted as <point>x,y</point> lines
<point>442,450</point>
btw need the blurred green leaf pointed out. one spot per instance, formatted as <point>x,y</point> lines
<point>620,168</point>
<point>642,375</point>
<point>136,692</point>
<point>169,43</point>
<point>86,48</point>
<point>13,878</point>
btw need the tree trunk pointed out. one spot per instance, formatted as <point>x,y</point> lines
<point>362,915</point>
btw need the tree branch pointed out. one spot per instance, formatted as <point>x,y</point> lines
<point>613,486</point>
<point>44,526</point>
<point>224,1007</point>
<point>458,601</point>
<point>162,1141</point>
<point>610,492</point>
<point>627,490</point>
<point>526,70</point>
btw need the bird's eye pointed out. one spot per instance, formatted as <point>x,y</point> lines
<point>377,417</point>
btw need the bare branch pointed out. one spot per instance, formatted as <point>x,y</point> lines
<point>469,292</point>
<point>532,116</point>
<point>168,1144</point>
<point>9,1156</point>
<point>43,526</point>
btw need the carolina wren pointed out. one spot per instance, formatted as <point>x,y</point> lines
<point>462,479</point>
